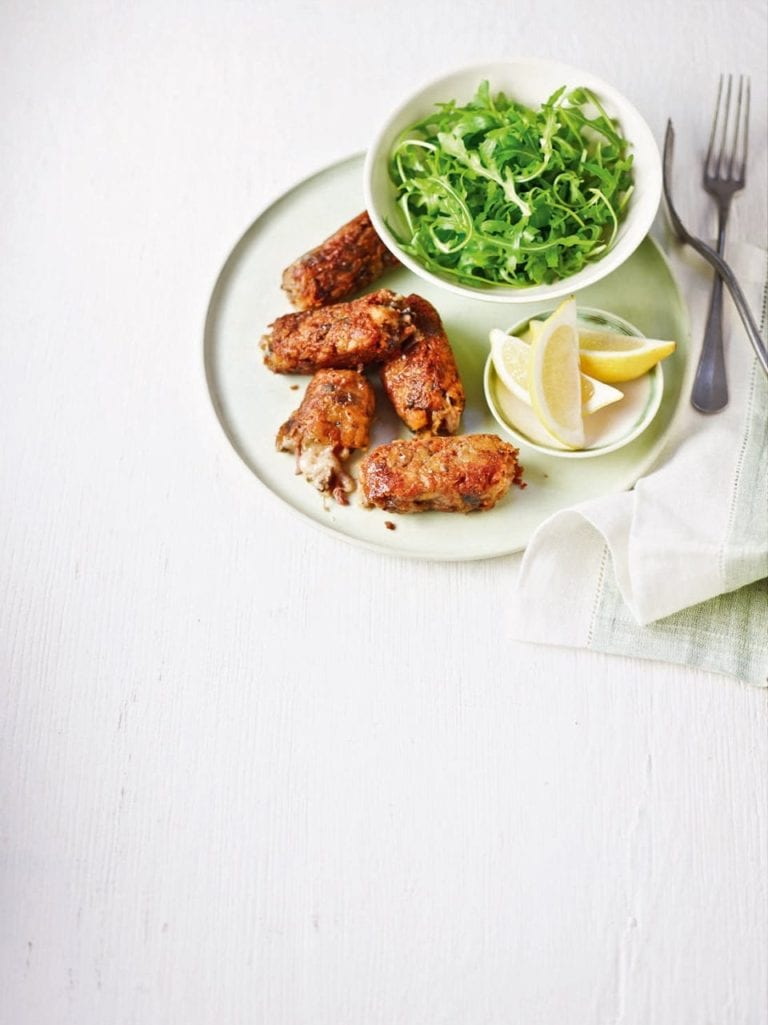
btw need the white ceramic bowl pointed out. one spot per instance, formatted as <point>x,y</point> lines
<point>531,82</point>
<point>608,429</point>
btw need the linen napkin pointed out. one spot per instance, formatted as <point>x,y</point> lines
<point>676,569</point>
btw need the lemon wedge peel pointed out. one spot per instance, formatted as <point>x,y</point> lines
<point>554,376</point>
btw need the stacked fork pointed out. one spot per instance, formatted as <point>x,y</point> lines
<point>722,178</point>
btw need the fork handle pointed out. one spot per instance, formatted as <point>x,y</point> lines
<point>710,385</point>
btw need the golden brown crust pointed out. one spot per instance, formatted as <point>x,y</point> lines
<point>334,418</point>
<point>347,335</point>
<point>336,410</point>
<point>343,264</point>
<point>422,380</point>
<point>458,474</point>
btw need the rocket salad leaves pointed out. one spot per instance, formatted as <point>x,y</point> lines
<point>495,192</point>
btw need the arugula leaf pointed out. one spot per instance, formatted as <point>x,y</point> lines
<point>495,192</point>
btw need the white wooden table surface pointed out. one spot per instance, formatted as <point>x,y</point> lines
<point>249,773</point>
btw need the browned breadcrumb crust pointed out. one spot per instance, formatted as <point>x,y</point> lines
<point>334,418</point>
<point>347,335</point>
<point>467,473</point>
<point>348,261</point>
<point>422,380</point>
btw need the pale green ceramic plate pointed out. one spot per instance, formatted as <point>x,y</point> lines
<point>251,402</point>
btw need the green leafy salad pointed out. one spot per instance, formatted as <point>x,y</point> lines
<point>495,192</point>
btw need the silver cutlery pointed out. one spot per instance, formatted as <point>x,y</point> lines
<point>724,174</point>
<point>711,255</point>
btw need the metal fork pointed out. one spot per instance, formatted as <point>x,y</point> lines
<point>724,174</point>
<point>710,255</point>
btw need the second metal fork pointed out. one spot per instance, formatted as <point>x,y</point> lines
<point>724,174</point>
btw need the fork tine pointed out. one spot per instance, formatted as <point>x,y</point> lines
<point>724,130</point>
<point>713,130</point>
<point>737,128</point>
<point>736,125</point>
<point>743,166</point>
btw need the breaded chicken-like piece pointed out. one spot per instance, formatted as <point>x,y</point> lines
<point>457,474</point>
<point>422,380</point>
<point>334,418</point>
<point>347,335</point>
<point>345,263</point>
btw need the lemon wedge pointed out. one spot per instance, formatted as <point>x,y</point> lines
<point>554,378</point>
<point>613,357</point>
<point>511,355</point>
<point>597,394</point>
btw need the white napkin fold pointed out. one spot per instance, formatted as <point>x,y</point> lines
<point>693,528</point>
